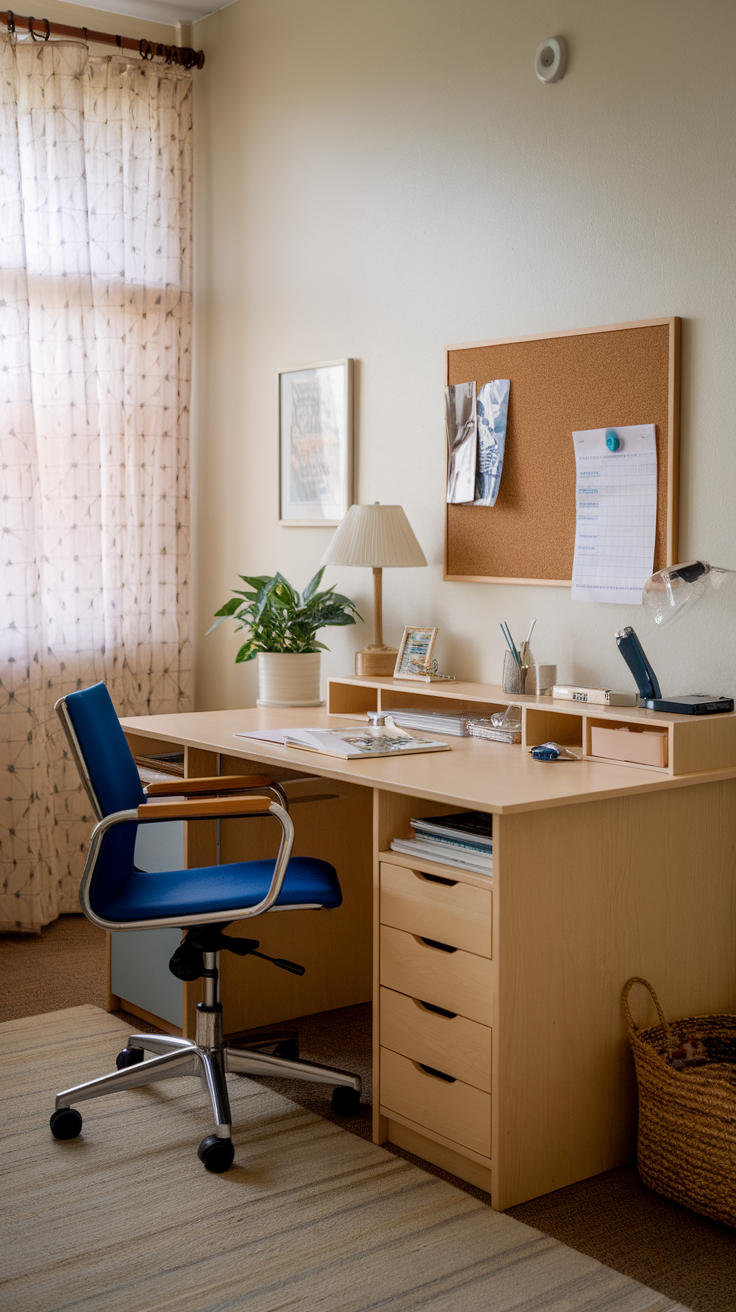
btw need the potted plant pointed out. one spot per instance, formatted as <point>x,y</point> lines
<point>283,627</point>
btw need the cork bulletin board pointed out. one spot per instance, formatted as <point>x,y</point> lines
<point>626,373</point>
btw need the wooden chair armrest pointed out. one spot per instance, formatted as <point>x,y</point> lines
<point>220,783</point>
<point>205,808</point>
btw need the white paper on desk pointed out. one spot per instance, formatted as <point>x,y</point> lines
<point>616,514</point>
<point>264,736</point>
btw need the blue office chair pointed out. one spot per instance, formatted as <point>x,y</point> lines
<point>116,895</point>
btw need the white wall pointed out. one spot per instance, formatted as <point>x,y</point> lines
<point>378,178</point>
<point>99,20</point>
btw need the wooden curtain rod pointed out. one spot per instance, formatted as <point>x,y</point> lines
<point>40,29</point>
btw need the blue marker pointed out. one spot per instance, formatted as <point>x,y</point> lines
<point>613,441</point>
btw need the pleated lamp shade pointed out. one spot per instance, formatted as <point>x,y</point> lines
<point>377,536</point>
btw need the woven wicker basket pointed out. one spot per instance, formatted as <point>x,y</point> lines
<point>687,1118</point>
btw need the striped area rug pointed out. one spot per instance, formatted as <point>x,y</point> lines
<point>308,1218</point>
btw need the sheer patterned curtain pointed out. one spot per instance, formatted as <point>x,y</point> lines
<point>95,350</point>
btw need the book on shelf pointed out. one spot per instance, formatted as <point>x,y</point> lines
<point>351,744</point>
<point>444,840</point>
<point>572,692</point>
<point>475,825</point>
<point>444,855</point>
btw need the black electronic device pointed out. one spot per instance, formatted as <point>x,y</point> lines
<point>650,693</point>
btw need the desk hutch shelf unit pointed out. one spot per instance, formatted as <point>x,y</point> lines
<point>694,743</point>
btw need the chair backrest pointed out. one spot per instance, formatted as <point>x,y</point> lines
<point>115,781</point>
<point>112,770</point>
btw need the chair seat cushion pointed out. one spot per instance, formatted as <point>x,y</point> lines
<point>173,893</point>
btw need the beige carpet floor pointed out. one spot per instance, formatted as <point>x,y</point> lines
<point>309,1217</point>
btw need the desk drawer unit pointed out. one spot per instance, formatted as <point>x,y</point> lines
<point>437,907</point>
<point>436,990</point>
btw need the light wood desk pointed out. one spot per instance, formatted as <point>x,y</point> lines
<point>601,871</point>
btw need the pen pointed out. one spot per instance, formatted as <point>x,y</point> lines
<point>524,649</point>
<point>510,643</point>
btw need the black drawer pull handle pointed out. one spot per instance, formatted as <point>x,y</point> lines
<point>440,1011</point>
<point>433,943</point>
<point>437,879</point>
<point>439,1075</point>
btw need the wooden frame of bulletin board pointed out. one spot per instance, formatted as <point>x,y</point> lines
<point>624,373</point>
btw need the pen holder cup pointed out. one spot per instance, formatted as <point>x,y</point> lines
<point>513,675</point>
<point>540,678</point>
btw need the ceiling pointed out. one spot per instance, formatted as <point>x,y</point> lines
<point>159,11</point>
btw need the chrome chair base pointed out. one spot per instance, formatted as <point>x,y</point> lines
<point>175,1057</point>
<point>212,1059</point>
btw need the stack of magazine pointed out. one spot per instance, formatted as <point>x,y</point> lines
<point>463,840</point>
<point>431,721</point>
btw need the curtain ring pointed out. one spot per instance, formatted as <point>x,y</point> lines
<point>145,49</point>
<point>31,33</point>
<point>48,28</point>
<point>11,23</point>
<point>119,41</point>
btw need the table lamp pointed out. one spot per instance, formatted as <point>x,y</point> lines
<point>380,537</point>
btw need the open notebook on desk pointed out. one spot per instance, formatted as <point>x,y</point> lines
<point>351,744</point>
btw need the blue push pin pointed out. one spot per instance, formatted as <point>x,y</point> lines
<point>613,441</point>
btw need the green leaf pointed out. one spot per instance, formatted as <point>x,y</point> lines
<point>313,584</point>
<point>255,580</point>
<point>216,625</point>
<point>229,607</point>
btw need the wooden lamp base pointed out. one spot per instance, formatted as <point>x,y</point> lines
<point>378,662</point>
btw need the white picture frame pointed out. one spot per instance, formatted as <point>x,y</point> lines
<point>417,643</point>
<point>315,444</point>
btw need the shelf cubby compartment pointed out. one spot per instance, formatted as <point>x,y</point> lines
<point>541,725</point>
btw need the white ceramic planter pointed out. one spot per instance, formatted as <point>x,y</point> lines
<point>289,678</point>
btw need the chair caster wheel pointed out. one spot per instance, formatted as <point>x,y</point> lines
<point>289,1049</point>
<point>217,1154</point>
<point>345,1102</point>
<point>129,1057</point>
<point>66,1123</point>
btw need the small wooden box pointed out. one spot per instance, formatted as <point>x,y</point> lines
<point>646,747</point>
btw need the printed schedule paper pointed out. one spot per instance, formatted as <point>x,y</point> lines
<point>616,514</point>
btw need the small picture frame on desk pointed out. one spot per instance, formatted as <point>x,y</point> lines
<point>315,444</point>
<point>415,651</point>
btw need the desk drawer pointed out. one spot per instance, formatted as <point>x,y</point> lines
<point>456,1111</point>
<point>451,911</point>
<point>453,1044</point>
<point>455,980</point>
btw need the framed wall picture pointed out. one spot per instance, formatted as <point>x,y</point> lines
<point>315,444</point>
<point>415,650</point>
